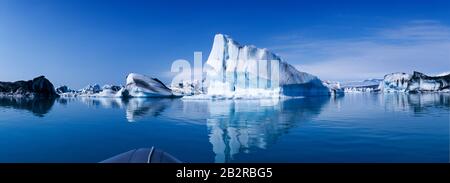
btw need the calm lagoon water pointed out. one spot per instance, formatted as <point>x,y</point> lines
<point>352,128</point>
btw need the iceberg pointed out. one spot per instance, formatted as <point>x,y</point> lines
<point>420,82</point>
<point>235,71</point>
<point>64,89</point>
<point>110,91</point>
<point>187,88</point>
<point>417,82</point>
<point>334,87</point>
<point>368,85</point>
<point>90,89</point>
<point>139,85</point>
<point>395,82</point>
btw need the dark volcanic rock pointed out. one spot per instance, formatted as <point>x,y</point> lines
<point>38,87</point>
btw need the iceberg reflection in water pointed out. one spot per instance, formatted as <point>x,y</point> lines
<point>363,127</point>
<point>237,126</point>
<point>135,108</point>
<point>234,126</point>
<point>418,103</point>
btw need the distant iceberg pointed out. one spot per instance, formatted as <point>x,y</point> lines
<point>63,89</point>
<point>137,85</point>
<point>368,85</point>
<point>443,73</point>
<point>235,71</point>
<point>91,91</point>
<point>401,82</point>
<point>417,82</point>
<point>110,91</point>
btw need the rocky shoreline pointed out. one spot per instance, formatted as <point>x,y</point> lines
<point>39,87</point>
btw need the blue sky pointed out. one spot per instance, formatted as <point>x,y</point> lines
<point>84,42</point>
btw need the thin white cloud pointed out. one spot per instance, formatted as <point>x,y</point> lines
<point>417,45</point>
<point>419,30</point>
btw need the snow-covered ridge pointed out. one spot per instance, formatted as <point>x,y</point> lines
<point>401,82</point>
<point>235,71</point>
<point>443,74</point>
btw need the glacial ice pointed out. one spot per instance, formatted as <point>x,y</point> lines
<point>368,85</point>
<point>235,71</point>
<point>91,89</point>
<point>421,82</point>
<point>402,82</point>
<point>110,91</point>
<point>187,88</point>
<point>417,82</point>
<point>395,82</point>
<point>139,85</point>
<point>63,89</point>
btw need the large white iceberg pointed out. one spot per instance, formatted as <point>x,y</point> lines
<point>235,71</point>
